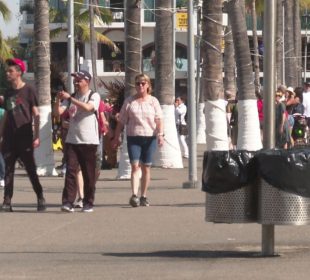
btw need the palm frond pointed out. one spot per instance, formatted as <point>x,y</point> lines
<point>4,11</point>
<point>116,92</point>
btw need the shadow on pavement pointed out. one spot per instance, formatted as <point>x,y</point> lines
<point>189,254</point>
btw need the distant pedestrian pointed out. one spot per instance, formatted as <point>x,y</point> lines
<point>180,113</point>
<point>81,141</point>
<point>143,118</point>
<point>20,136</point>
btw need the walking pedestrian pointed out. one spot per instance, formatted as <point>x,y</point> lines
<point>81,141</point>
<point>19,136</point>
<point>143,118</point>
<point>180,113</point>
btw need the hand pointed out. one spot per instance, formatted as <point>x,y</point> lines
<point>160,140</point>
<point>115,142</point>
<point>36,142</point>
<point>64,95</point>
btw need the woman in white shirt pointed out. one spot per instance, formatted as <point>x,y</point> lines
<point>180,112</point>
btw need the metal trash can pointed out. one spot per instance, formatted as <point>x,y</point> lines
<point>239,206</point>
<point>277,207</point>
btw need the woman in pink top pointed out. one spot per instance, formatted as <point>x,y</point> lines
<point>143,118</point>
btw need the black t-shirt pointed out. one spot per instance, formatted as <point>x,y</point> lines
<point>19,103</point>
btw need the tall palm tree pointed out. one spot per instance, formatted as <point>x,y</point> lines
<point>229,63</point>
<point>297,40</point>
<point>280,44</point>
<point>248,132</point>
<point>44,154</point>
<point>212,80</point>
<point>133,56</point>
<point>290,54</point>
<point>255,45</point>
<point>170,154</point>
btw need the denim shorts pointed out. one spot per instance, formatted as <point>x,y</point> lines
<point>141,149</point>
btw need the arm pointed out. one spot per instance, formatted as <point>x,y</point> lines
<point>160,131</point>
<point>36,120</point>
<point>88,107</point>
<point>57,108</point>
<point>115,141</point>
<point>105,123</point>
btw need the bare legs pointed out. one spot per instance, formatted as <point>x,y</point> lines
<point>136,170</point>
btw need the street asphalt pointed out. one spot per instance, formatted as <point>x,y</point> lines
<point>168,240</point>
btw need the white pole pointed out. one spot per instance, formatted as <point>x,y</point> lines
<point>192,161</point>
<point>70,46</point>
<point>269,108</point>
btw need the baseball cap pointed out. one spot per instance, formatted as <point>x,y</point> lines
<point>18,62</point>
<point>82,75</point>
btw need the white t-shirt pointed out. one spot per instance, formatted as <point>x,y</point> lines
<point>180,112</point>
<point>306,103</point>
<point>83,128</point>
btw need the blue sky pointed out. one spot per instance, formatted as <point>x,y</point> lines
<point>11,28</point>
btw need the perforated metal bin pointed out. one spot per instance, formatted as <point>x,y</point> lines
<point>239,206</point>
<point>281,208</point>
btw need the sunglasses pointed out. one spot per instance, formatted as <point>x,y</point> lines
<point>140,83</point>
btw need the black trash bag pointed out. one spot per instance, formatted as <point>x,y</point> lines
<point>225,171</point>
<point>288,170</point>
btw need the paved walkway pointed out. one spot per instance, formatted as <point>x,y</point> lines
<point>169,240</point>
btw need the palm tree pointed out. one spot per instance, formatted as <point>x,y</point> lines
<point>170,154</point>
<point>280,44</point>
<point>212,80</point>
<point>290,54</point>
<point>44,154</point>
<point>252,5</point>
<point>133,54</point>
<point>297,40</point>
<point>229,64</point>
<point>248,132</point>
<point>5,51</point>
<point>82,30</point>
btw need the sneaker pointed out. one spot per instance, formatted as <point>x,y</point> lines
<point>134,201</point>
<point>78,203</point>
<point>87,208</point>
<point>41,204</point>
<point>6,207</point>
<point>67,208</point>
<point>144,201</point>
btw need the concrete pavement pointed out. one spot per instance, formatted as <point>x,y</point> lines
<point>168,240</point>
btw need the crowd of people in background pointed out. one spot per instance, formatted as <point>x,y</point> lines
<point>292,116</point>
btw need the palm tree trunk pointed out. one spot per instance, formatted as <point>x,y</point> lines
<point>170,154</point>
<point>280,42</point>
<point>133,46</point>
<point>290,57</point>
<point>44,154</point>
<point>248,131</point>
<point>255,46</point>
<point>212,78</point>
<point>297,40</point>
<point>133,55</point>
<point>229,64</point>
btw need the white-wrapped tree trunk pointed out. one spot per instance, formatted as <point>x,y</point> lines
<point>124,167</point>
<point>169,155</point>
<point>44,155</point>
<point>201,124</point>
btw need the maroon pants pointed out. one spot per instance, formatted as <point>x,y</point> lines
<point>83,155</point>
